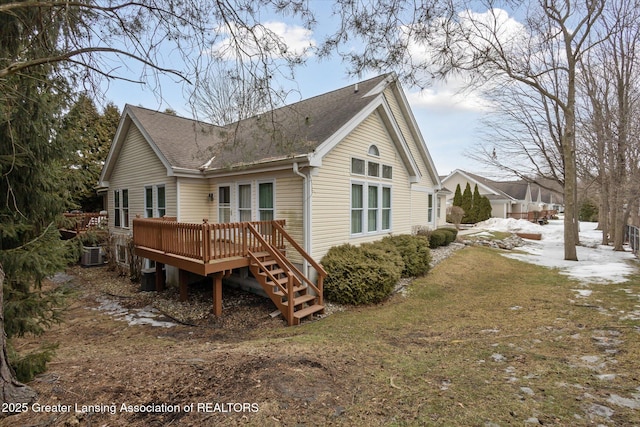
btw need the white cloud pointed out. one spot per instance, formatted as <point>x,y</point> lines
<point>475,31</point>
<point>451,95</point>
<point>277,39</point>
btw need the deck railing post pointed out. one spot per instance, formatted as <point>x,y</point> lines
<point>290,299</point>
<point>206,240</point>
<point>243,233</point>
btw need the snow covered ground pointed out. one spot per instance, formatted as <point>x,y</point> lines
<point>597,263</point>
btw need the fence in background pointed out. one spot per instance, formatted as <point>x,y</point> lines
<point>632,236</point>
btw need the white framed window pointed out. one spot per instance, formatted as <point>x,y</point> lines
<point>357,208</point>
<point>357,166</point>
<point>387,172</point>
<point>266,200</point>
<point>244,202</point>
<point>155,201</point>
<point>224,203</point>
<point>125,208</point>
<point>373,169</point>
<point>148,202</point>
<point>372,207</point>
<point>121,208</point>
<point>373,150</point>
<point>117,209</point>
<point>430,208</point>
<point>386,208</point>
<point>162,201</point>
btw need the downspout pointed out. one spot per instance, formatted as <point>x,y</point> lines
<point>306,214</point>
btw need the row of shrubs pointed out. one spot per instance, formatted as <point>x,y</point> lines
<point>439,237</point>
<point>367,274</point>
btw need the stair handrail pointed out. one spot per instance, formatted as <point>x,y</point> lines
<point>278,257</point>
<point>322,273</point>
<point>267,272</point>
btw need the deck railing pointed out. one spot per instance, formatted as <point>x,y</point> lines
<point>82,222</point>
<point>533,215</point>
<point>204,241</point>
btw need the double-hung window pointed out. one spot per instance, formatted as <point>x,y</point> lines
<point>357,208</point>
<point>373,206</point>
<point>148,202</point>
<point>265,201</point>
<point>224,204</point>
<point>155,202</point>
<point>244,202</point>
<point>121,208</point>
<point>386,208</point>
<point>370,194</point>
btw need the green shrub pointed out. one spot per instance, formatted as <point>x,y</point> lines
<point>361,275</point>
<point>451,235</point>
<point>414,251</point>
<point>438,238</point>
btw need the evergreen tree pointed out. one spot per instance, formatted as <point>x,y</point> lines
<point>457,198</point>
<point>34,191</point>
<point>466,204</point>
<point>474,215</point>
<point>484,211</point>
<point>90,134</point>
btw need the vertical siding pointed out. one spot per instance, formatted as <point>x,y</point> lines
<point>332,188</point>
<point>137,166</point>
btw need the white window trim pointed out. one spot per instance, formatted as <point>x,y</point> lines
<point>236,208</point>
<point>231,200</point>
<point>121,208</point>
<point>365,208</point>
<point>364,171</point>
<point>155,207</point>
<point>364,204</point>
<point>257,210</point>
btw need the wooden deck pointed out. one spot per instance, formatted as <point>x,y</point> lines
<point>216,249</point>
<point>78,223</point>
<point>533,216</point>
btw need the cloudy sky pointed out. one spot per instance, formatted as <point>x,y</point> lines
<point>449,120</point>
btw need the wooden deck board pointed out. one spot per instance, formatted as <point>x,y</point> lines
<point>193,265</point>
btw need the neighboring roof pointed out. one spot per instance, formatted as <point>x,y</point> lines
<point>288,132</point>
<point>499,190</point>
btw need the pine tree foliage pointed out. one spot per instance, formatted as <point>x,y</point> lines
<point>474,215</point>
<point>89,133</point>
<point>33,183</point>
<point>457,197</point>
<point>466,204</point>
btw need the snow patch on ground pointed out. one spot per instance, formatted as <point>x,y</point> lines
<point>138,316</point>
<point>597,263</point>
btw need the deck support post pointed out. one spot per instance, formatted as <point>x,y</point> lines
<point>217,294</point>
<point>184,287</point>
<point>161,280</point>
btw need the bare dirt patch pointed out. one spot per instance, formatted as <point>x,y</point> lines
<point>202,371</point>
<point>481,340</point>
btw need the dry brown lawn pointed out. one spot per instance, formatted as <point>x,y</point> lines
<point>482,340</point>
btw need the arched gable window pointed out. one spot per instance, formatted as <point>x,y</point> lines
<point>373,151</point>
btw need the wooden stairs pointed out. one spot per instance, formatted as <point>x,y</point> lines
<point>295,295</point>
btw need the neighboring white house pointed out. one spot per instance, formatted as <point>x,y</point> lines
<point>509,199</point>
<point>348,166</point>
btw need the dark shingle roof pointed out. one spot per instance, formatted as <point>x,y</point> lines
<point>288,131</point>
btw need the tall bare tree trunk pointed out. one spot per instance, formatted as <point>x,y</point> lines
<point>12,391</point>
<point>571,237</point>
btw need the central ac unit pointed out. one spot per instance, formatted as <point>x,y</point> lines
<point>91,256</point>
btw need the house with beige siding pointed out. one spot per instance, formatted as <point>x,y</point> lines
<point>348,166</point>
<point>520,199</point>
